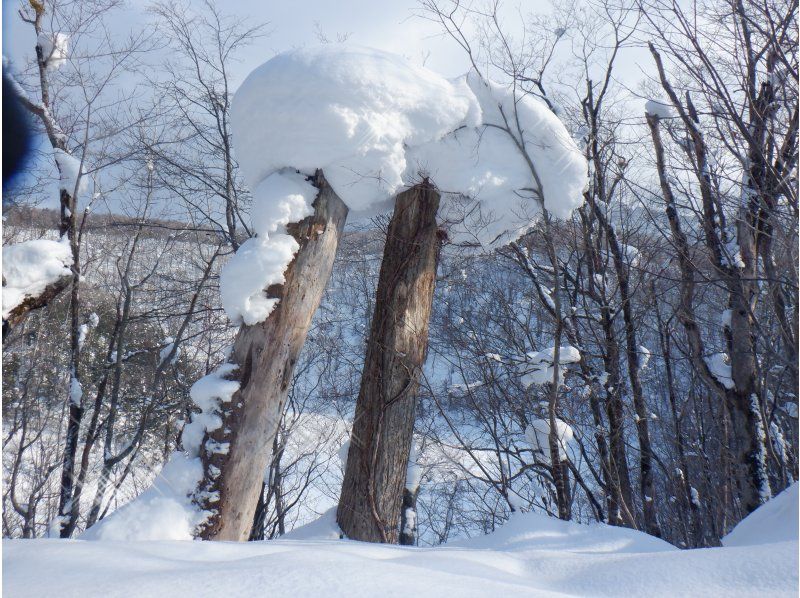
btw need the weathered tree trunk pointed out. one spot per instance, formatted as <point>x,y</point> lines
<point>369,506</point>
<point>266,354</point>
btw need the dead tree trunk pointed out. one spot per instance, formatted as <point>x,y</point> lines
<point>266,354</point>
<point>369,506</point>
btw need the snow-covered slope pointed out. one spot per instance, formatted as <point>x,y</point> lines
<point>532,555</point>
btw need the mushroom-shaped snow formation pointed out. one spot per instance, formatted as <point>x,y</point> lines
<point>375,123</point>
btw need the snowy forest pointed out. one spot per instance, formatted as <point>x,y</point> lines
<point>518,302</point>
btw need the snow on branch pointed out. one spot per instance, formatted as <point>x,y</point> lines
<point>55,47</point>
<point>71,177</point>
<point>31,267</point>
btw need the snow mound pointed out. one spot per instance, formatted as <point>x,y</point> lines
<point>30,267</point>
<point>537,531</point>
<point>163,512</point>
<point>324,528</point>
<point>531,555</point>
<point>775,521</point>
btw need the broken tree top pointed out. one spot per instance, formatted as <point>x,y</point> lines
<point>375,123</point>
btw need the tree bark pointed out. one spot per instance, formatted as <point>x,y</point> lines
<point>369,506</point>
<point>266,354</point>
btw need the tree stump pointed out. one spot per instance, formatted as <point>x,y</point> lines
<point>375,475</point>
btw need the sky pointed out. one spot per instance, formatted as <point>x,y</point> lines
<point>390,25</point>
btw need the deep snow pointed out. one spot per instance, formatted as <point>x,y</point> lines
<point>532,555</point>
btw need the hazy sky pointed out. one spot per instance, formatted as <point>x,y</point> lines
<point>388,25</point>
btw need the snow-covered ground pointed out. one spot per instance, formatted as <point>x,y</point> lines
<point>532,555</point>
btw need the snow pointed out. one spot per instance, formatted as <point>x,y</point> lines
<point>720,369</point>
<point>659,109</point>
<point>163,512</point>
<point>261,261</point>
<point>484,163</point>
<point>413,470</point>
<point>75,390</point>
<point>566,354</point>
<point>775,521</point>
<point>163,354</point>
<point>279,199</point>
<point>30,267</point>
<point>55,47</point>
<point>343,452</point>
<point>324,528</point>
<point>207,394</point>
<point>531,555</point>
<point>538,436</point>
<point>257,264</point>
<point>347,110</point>
<point>70,173</point>
<point>540,365</point>
<point>644,357</point>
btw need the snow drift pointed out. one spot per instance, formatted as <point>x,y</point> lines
<point>775,521</point>
<point>531,555</point>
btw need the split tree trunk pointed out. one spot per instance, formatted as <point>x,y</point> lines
<point>266,354</point>
<point>369,506</point>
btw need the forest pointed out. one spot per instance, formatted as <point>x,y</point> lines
<point>323,291</point>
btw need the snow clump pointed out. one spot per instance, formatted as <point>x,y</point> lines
<point>55,47</point>
<point>30,267</point>
<point>658,109</point>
